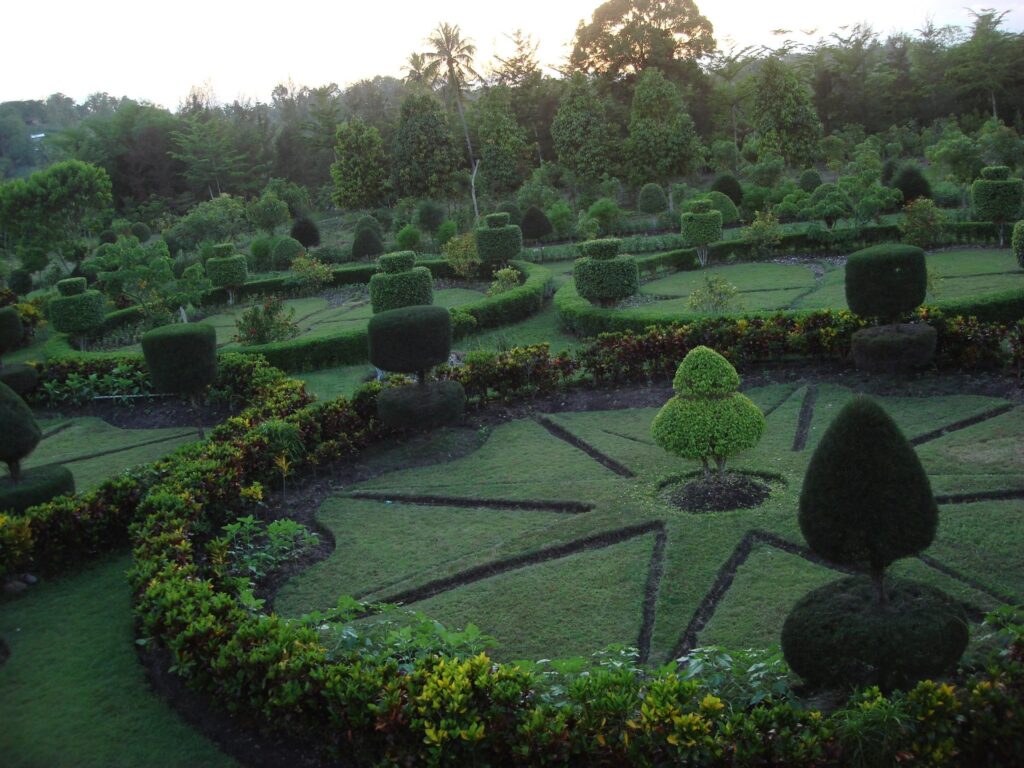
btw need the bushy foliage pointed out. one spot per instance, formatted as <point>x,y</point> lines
<point>266,322</point>
<point>922,223</point>
<point>262,250</point>
<point>408,237</point>
<point>181,358</point>
<point>267,213</point>
<point>430,215</point>
<point>582,133</point>
<point>996,197</point>
<point>662,142</point>
<point>911,182</point>
<point>359,171</point>
<point>1017,242</point>
<point>423,155</point>
<point>421,408</point>
<point>71,286</point>
<point>446,232</point>
<point>229,273</point>
<point>764,233</point>
<point>400,261</point>
<point>141,231</point>
<point>461,254</point>
<point>21,433</point>
<point>505,280</point>
<point>215,221</point>
<point>607,214</point>
<point>367,244</point>
<point>77,315</point>
<point>606,281</point>
<point>284,252</point>
<point>652,199</point>
<point>366,221</point>
<point>719,202</point>
<point>108,236</point>
<point>305,230</point>
<point>886,280</point>
<point>498,242</point>
<point>809,180</point>
<point>535,224</point>
<point>728,185</point>
<point>716,295</point>
<point>515,214</point>
<point>895,348</point>
<point>35,486</point>
<point>606,248</point>
<point>391,290</point>
<point>309,275</point>
<point>412,339</point>
<point>707,419</point>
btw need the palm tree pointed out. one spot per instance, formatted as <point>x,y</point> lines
<point>454,56</point>
<point>419,71</point>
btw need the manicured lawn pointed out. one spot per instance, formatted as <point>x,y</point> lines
<point>73,692</point>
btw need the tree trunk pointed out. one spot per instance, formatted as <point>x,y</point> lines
<point>878,578</point>
<point>198,416</point>
<point>465,128</point>
<point>720,462</point>
<point>707,468</point>
<point>472,189</point>
<point>15,470</point>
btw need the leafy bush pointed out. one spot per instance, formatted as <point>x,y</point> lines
<point>421,407</point>
<point>310,275</point>
<point>535,224</point>
<point>10,330</point>
<point>71,286</point>
<point>504,281</point>
<point>707,419</point>
<point>408,238</point>
<point>391,290</point>
<point>700,227</point>
<point>460,252</point>
<point>35,486</point>
<point>430,215</point>
<point>229,273</point>
<point>809,180</point>
<point>996,197</point>
<point>446,232</point>
<point>606,281</point>
<point>515,214</point>
<point>411,339</point>
<point>764,233</point>
<point>894,348</point>
<point>717,295</point>
<point>262,250</point>
<point>211,221</point>
<point>498,220</point>
<point>911,182</point>
<point>600,250</point>
<point>922,223</point>
<point>1017,242</point>
<point>141,231</point>
<point>606,213</point>
<point>21,433</point>
<point>562,218</point>
<point>284,252</point>
<point>652,199</point>
<point>77,315</point>
<point>886,280</point>
<point>367,244</point>
<point>306,232</point>
<point>719,202</point>
<point>729,186</point>
<point>498,243</point>
<point>267,213</point>
<point>266,322</point>
<point>181,358</point>
<point>256,549</point>
<point>399,261</point>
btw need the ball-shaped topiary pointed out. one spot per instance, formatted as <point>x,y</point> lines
<point>606,281</point>
<point>229,273</point>
<point>836,636</point>
<point>79,314</point>
<point>886,280</point>
<point>71,286</point>
<point>21,433</point>
<point>141,231</point>
<point>996,197</point>
<point>35,486</point>
<point>108,236</point>
<point>408,237</point>
<point>652,199</point>
<point>707,419</point>
<point>262,250</point>
<point>11,330</point>
<point>701,225</point>
<point>911,182</point>
<point>20,377</point>
<point>367,244</point>
<point>809,180</point>
<point>728,185</point>
<point>1017,242</point>
<point>285,251</point>
<point>305,230</point>
<point>535,224</point>
<point>410,339</point>
<point>498,242</point>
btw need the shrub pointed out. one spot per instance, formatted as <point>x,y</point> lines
<point>836,636</point>
<point>729,186</point>
<point>399,261</point>
<point>809,180</point>
<point>421,408</point>
<point>305,230</point>
<point>700,227</point>
<point>446,232</point>
<point>411,339</point>
<point>717,295</point>
<point>461,254</point>
<point>367,244</point>
<point>707,418</point>
<point>764,233</point>
<point>535,224</point>
<point>720,203</point>
<point>21,433</point>
<point>108,236</point>
<point>886,280</point>
<point>265,323</point>
<point>77,315</point>
<point>36,486</point>
<point>71,286</point>
<point>911,182</point>
<point>20,281</point>
<point>285,251</point>
<point>606,281</point>
<point>606,213</point>
<point>652,199</point>
<point>181,358</point>
<point>391,290</point>
<point>996,197</point>
<point>309,275</point>
<point>515,215</point>
<point>366,221</point>
<point>923,223</point>
<point>262,250</point>
<point>498,242</point>
<point>230,273</point>
<point>504,281</point>
<point>267,212</point>
<point>11,330</point>
<point>141,231</point>
<point>408,238</point>
<point>430,215</point>
<point>562,218</point>
<point>1017,242</point>
<point>600,250</point>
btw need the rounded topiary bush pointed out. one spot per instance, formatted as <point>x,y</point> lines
<point>262,250</point>
<point>21,433</point>
<point>20,377</point>
<point>410,339</point>
<point>515,215</point>
<point>367,244</point>
<point>141,231</point>
<point>707,419</point>
<point>535,224</point>
<point>391,290</point>
<point>305,230</point>
<point>108,236</point>
<point>606,248</point>
<point>911,182</point>
<point>838,636</point>
<point>20,281</point>
<point>36,486</point>
<point>886,280</point>
<point>181,358</point>
<point>719,202</point>
<point>79,314</point>
<point>420,408</point>
<point>408,237</point>
<point>1017,242</point>
<point>71,286</point>
<point>229,272</point>
<point>399,261</point>
<point>285,251</point>
<point>498,242</point>
<point>728,185</point>
<point>607,280</point>
<point>809,180</point>
<point>11,330</point>
<point>894,348</point>
<point>366,221</point>
<point>701,226</point>
<point>430,215</point>
<point>652,199</point>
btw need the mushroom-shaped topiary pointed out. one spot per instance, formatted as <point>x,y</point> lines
<point>866,502</point>
<point>78,314</point>
<point>182,360</point>
<point>701,225</point>
<point>367,242</point>
<point>707,419</point>
<point>652,199</point>
<point>228,272</point>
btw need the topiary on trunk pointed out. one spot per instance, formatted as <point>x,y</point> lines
<point>652,199</point>
<point>229,272</point>
<point>701,226</point>
<point>367,243</point>
<point>996,197</point>
<point>707,419</point>
<point>78,315</point>
<point>886,280</point>
<point>20,434</point>
<point>182,360</point>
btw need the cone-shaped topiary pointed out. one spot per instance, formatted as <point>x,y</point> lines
<point>707,419</point>
<point>866,500</point>
<point>652,199</point>
<point>11,330</point>
<point>182,360</point>
<point>367,243</point>
<point>535,224</point>
<point>306,232</point>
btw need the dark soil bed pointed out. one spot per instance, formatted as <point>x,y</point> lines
<point>734,491</point>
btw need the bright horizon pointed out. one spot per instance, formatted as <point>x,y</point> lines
<point>243,50</point>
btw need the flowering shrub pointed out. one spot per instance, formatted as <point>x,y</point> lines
<point>266,322</point>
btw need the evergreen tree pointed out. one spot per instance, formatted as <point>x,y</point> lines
<point>424,158</point>
<point>359,171</point>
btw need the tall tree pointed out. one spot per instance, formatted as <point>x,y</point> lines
<point>784,114</point>
<point>981,67</point>
<point>502,144</point>
<point>453,57</point>
<point>359,170</point>
<point>421,71</point>
<point>584,137</point>
<point>204,147</point>
<point>625,37</point>
<point>423,157</point>
<point>662,143</point>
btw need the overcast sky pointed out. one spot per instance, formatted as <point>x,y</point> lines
<point>155,52</point>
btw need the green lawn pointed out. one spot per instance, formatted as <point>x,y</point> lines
<point>73,692</point>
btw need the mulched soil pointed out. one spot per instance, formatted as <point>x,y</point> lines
<point>734,491</point>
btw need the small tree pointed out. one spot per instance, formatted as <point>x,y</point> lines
<point>707,419</point>
<point>728,185</point>
<point>886,280</point>
<point>461,255</point>
<point>911,182</point>
<point>430,215</point>
<point>652,199</point>
<point>996,197</point>
<point>498,242</point>
<point>229,273</point>
<point>922,223</point>
<point>535,224</point>
<point>78,315</point>
<point>701,226</point>
<point>367,244</point>
<point>601,275</point>
<point>267,213</point>
<point>182,360</point>
<point>305,230</point>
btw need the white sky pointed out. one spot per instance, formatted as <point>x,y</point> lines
<point>156,51</point>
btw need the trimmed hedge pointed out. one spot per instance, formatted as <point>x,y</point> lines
<point>607,248</point>
<point>71,286</point>
<point>367,243</point>
<point>436,404</point>
<point>229,272</point>
<point>886,280</point>
<point>182,358</point>
<point>20,434</point>
<point>1017,242</point>
<point>391,290</point>
<point>498,243</point>
<point>605,281</point>
<point>37,486</point>
<point>410,339</point>
<point>78,314</point>
<point>894,348</point>
<point>400,261</point>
